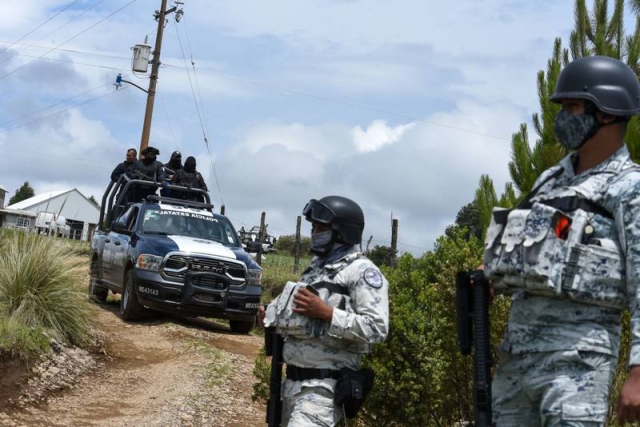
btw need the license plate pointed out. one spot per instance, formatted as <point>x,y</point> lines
<point>206,298</point>
<point>253,305</point>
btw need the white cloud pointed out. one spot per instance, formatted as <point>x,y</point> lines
<point>377,135</point>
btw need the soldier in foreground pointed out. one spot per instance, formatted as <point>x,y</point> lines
<point>329,318</point>
<point>570,255</point>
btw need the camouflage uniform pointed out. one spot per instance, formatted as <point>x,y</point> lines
<point>360,318</point>
<point>560,349</point>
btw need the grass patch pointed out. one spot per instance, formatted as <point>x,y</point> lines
<point>276,271</point>
<point>218,368</point>
<point>18,340</point>
<point>39,290</point>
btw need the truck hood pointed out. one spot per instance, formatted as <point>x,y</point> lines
<point>201,246</point>
<point>174,243</point>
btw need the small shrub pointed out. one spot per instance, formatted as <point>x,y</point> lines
<point>262,372</point>
<point>18,340</point>
<point>38,287</point>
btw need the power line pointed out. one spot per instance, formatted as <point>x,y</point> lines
<point>68,40</point>
<point>200,117</point>
<point>285,91</point>
<point>61,26</point>
<point>53,105</point>
<point>40,26</point>
<point>62,111</point>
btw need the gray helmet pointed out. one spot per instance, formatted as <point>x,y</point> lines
<point>344,215</point>
<point>607,82</point>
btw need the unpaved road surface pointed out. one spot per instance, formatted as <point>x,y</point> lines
<point>164,371</point>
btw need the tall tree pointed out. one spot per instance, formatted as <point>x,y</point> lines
<point>596,32</point>
<point>22,193</point>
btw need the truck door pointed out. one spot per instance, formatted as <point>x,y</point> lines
<point>111,251</point>
<point>121,243</point>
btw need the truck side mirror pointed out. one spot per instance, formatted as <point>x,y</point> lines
<point>120,227</point>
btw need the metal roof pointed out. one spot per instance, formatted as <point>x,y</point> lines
<point>39,198</point>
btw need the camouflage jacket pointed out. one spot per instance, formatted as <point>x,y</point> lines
<point>360,315</point>
<point>544,323</point>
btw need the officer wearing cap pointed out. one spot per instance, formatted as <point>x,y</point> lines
<point>339,308</point>
<point>147,169</point>
<point>569,254</point>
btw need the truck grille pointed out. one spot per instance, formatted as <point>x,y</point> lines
<point>177,266</point>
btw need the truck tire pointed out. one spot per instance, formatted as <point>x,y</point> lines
<point>241,326</point>
<point>130,307</point>
<point>97,292</point>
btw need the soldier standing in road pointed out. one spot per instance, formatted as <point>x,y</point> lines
<point>338,310</point>
<point>570,255</point>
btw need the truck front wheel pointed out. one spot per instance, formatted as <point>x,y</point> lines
<point>130,307</point>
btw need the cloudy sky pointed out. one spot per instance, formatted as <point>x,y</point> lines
<point>400,105</point>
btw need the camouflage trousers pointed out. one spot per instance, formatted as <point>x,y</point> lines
<point>309,406</point>
<point>562,388</point>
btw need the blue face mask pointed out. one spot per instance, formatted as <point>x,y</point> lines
<point>320,242</point>
<point>573,130</point>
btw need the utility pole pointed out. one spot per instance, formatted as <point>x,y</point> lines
<point>160,16</point>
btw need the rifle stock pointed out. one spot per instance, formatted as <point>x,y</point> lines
<point>472,294</point>
<point>273,344</point>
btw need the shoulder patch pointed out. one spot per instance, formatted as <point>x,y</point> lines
<point>373,277</point>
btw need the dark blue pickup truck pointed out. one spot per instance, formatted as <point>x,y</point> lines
<point>175,256</point>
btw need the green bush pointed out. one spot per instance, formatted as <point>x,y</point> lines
<point>421,377</point>
<point>38,287</point>
<point>286,244</point>
<point>18,340</point>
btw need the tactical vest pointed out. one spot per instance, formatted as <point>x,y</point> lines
<point>148,171</point>
<point>549,246</point>
<point>280,313</point>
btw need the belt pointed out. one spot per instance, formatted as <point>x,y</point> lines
<point>295,373</point>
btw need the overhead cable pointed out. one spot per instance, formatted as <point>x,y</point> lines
<point>40,26</point>
<point>68,40</point>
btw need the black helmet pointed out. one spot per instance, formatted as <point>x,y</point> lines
<point>344,215</point>
<point>607,82</point>
<point>150,150</point>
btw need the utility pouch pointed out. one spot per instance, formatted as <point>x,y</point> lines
<point>352,388</point>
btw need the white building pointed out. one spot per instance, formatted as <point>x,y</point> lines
<point>81,214</point>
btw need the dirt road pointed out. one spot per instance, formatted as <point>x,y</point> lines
<point>161,372</point>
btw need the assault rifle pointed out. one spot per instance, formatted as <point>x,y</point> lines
<point>273,344</point>
<point>472,293</point>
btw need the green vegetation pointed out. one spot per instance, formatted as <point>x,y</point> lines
<point>286,244</point>
<point>276,271</point>
<point>39,294</point>
<point>24,192</point>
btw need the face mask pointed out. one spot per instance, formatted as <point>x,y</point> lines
<point>320,242</point>
<point>573,130</point>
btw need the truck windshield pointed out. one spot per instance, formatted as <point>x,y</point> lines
<point>191,224</point>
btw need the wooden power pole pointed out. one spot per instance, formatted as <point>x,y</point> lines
<point>155,65</point>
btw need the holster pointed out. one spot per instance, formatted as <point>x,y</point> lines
<point>352,388</point>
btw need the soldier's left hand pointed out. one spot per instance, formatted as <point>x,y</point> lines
<point>309,304</point>
<point>629,403</point>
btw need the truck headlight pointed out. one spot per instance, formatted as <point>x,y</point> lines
<point>254,277</point>
<point>149,262</point>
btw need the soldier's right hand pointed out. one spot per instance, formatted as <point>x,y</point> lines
<point>261,313</point>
